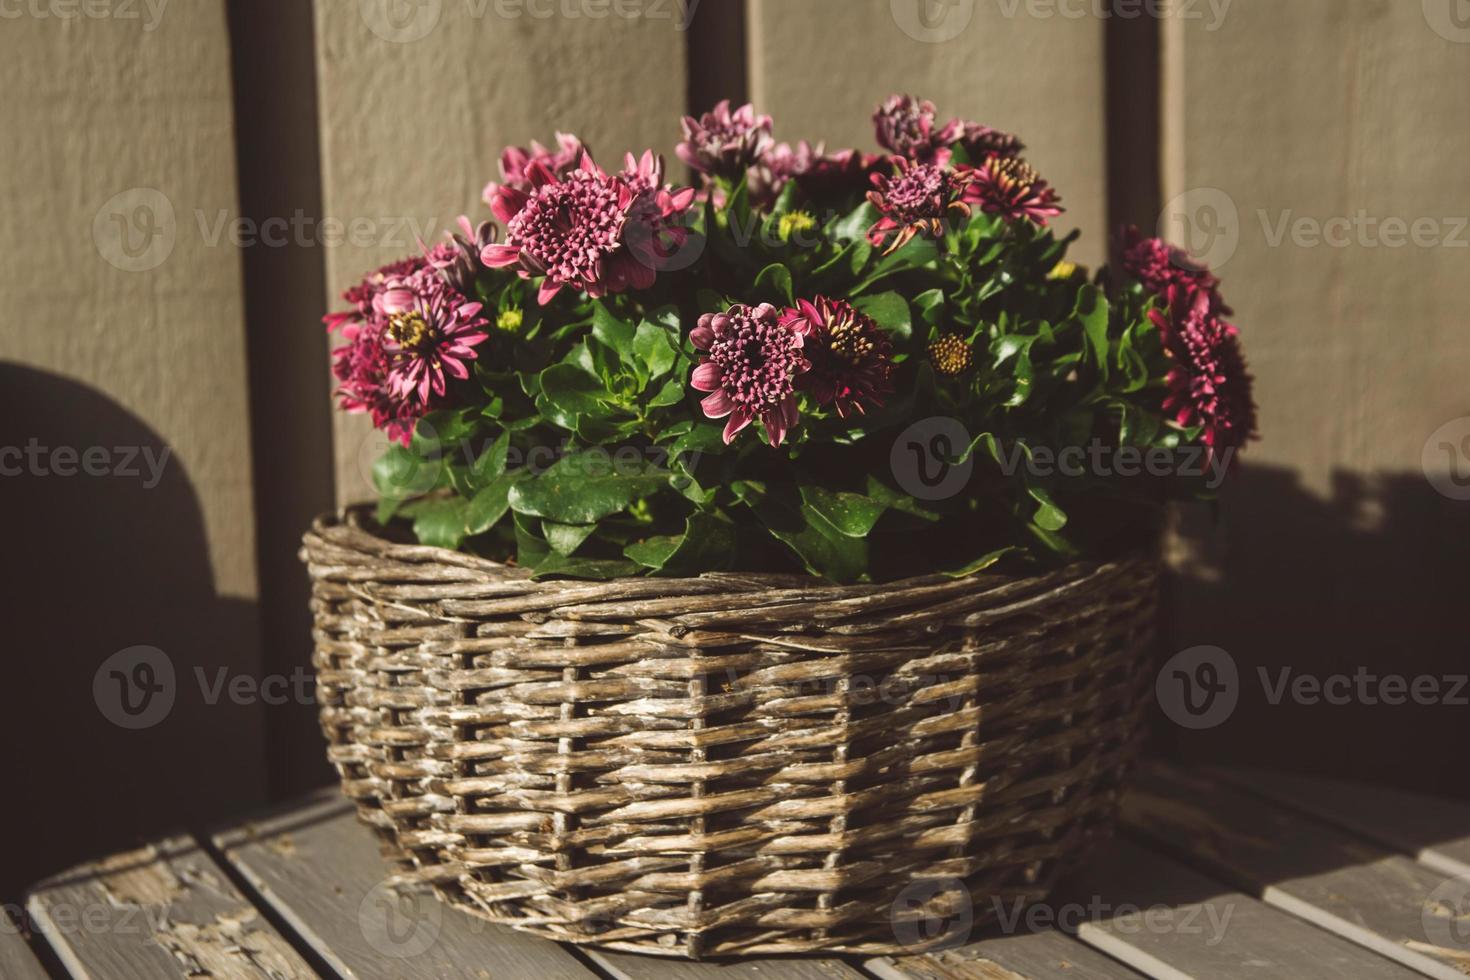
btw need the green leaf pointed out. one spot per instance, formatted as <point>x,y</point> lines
<point>573,390</point>
<point>708,542</point>
<point>400,474</point>
<point>566,538</point>
<point>491,463</point>
<point>822,549</point>
<point>851,514</point>
<point>440,523</point>
<point>1092,312</point>
<point>890,311</point>
<point>979,564</point>
<point>489,505</point>
<point>616,333</point>
<point>670,394</point>
<point>651,344</point>
<point>583,488</point>
<point>1048,516</point>
<point>855,224</point>
<point>774,282</point>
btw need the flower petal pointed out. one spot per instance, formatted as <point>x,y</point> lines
<point>706,377</point>
<point>718,405</point>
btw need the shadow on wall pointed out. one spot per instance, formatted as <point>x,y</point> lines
<point>108,748</point>
<point>1319,601</point>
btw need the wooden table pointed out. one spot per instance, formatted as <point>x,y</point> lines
<point>1215,874</point>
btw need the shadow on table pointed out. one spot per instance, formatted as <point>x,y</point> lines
<point>111,558</point>
<point>1371,582</point>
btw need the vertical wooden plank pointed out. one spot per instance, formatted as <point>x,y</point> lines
<point>166,910</point>
<point>820,67</point>
<point>1305,143</point>
<point>122,364</point>
<point>417,101</point>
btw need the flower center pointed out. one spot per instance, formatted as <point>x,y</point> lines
<point>848,342</point>
<point>794,222</point>
<point>510,320</point>
<point>409,330</point>
<point>1012,172</point>
<point>951,355</point>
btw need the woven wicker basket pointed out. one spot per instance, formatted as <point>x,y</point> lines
<point>732,764</point>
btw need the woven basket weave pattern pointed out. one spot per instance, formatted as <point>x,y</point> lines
<point>733,764</point>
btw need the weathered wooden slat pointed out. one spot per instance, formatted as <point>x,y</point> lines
<point>166,910</point>
<point>1043,955</point>
<point>631,966</point>
<point>320,870</point>
<point>1168,921</point>
<point>17,962</point>
<point>1383,901</point>
<point>1435,831</point>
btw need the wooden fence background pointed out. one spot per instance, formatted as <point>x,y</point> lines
<point>335,131</point>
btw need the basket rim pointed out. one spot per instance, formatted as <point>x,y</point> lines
<point>354,527</point>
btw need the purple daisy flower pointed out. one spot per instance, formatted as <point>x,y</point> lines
<point>1007,186</point>
<point>905,125</point>
<point>916,199</point>
<point>590,230</point>
<point>750,367</point>
<point>430,330</point>
<point>515,162</point>
<point>725,143</point>
<point>1208,384</point>
<point>1158,265</point>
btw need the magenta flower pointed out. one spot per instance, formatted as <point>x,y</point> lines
<point>1208,385</point>
<point>430,330</point>
<point>982,142</point>
<point>905,125</point>
<point>780,164</point>
<point>587,229</point>
<point>361,368</point>
<point>916,199</point>
<point>1158,265</point>
<point>458,259</point>
<point>751,362</point>
<point>515,162</point>
<point>1007,186</point>
<point>361,296</point>
<point>851,356</point>
<point>724,143</point>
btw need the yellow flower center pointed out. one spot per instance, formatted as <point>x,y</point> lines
<point>848,343</point>
<point>793,222</point>
<point>1063,270</point>
<point>951,356</point>
<point>408,330</point>
<point>510,320</point>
